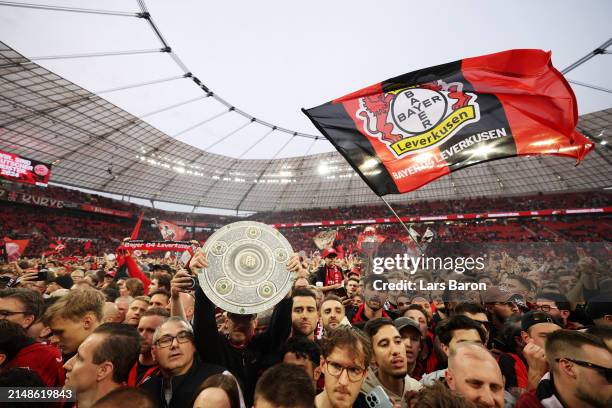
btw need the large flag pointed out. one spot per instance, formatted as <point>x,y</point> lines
<point>14,248</point>
<point>410,130</point>
<point>170,231</point>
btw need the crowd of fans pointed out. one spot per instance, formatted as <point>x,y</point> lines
<point>472,205</point>
<point>532,328</point>
<point>43,226</point>
<point>135,331</point>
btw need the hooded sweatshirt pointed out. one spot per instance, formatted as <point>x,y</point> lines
<point>372,381</point>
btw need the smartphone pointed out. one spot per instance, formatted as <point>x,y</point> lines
<point>378,398</point>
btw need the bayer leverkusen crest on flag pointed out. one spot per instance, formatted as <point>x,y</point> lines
<point>410,130</point>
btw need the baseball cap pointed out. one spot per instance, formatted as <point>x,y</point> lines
<point>330,253</point>
<point>535,317</point>
<point>493,294</point>
<point>403,322</point>
<point>598,306</point>
<point>110,273</point>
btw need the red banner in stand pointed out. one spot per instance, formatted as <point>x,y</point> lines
<point>170,231</point>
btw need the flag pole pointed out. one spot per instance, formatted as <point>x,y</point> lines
<point>404,225</point>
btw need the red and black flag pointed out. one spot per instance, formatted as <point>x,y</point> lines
<point>412,129</point>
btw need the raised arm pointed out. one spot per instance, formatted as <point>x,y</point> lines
<point>209,342</point>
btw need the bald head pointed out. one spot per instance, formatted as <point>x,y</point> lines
<point>111,313</point>
<point>474,373</point>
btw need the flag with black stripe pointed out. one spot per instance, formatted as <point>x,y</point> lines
<point>408,131</point>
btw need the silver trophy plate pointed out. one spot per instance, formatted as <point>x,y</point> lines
<point>247,267</point>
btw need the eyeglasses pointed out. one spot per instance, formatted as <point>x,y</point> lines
<point>5,313</point>
<point>166,341</point>
<point>604,371</point>
<point>545,308</point>
<point>354,373</point>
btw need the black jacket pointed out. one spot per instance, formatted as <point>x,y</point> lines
<point>247,363</point>
<point>184,387</point>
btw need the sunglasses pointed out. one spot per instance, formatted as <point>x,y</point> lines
<point>603,371</point>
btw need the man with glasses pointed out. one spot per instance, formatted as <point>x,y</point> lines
<point>580,373</point>
<point>346,354</point>
<point>557,306</point>
<point>21,306</point>
<point>182,371</point>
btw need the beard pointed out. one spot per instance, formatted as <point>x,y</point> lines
<point>593,400</point>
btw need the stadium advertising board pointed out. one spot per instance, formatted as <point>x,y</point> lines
<point>24,170</point>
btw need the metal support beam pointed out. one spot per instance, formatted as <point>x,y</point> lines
<point>597,88</point>
<point>69,9</point>
<point>597,51</point>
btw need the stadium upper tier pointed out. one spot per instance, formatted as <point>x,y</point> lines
<point>93,144</point>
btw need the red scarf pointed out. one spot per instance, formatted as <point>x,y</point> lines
<point>332,276</point>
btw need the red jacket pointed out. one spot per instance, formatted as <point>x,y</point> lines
<point>44,360</point>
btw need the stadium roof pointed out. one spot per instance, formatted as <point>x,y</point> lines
<point>93,144</point>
